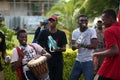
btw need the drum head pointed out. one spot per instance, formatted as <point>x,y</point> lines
<point>37,61</point>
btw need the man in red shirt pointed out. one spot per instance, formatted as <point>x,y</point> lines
<point>110,69</point>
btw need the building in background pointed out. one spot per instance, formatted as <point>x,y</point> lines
<point>25,7</point>
<point>18,13</point>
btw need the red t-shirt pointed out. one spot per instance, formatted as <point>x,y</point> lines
<point>111,65</point>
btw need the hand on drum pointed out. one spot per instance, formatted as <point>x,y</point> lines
<point>37,56</point>
<point>43,52</point>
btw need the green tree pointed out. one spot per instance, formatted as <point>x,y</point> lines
<point>68,11</point>
<point>94,8</point>
<point>8,35</point>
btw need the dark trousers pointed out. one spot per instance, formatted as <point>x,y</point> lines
<point>1,68</point>
<point>29,76</point>
<point>56,71</point>
<point>103,78</point>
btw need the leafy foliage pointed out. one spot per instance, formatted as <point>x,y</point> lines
<point>68,11</point>
<point>66,15</point>
<point>94,8</point>
<point>8,35</point>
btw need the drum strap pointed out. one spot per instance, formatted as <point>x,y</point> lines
<point>33,47</point>
<point>19,70</point>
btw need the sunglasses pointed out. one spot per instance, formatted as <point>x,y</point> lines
<point>83,20</point>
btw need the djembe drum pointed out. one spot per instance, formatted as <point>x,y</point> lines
<point>39,67</point>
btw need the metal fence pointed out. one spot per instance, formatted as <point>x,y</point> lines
<point>30,23</point>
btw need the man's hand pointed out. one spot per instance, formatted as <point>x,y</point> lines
<point>74,47</point>
<point>57,49</point>
<point>37,56</point>
<point>95,60</point>
<point>7,60</point>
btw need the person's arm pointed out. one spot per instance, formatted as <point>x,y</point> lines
<point>61,49</point>
<point>93,44</point>
<point>40,39</point>
<point>111,45</point>
<point>74,47</point>
<point>93,40</point>
<point>37,32</point>
<point>40,51</point>
<point>3,48</point>
<point>3,54</point>
<point>5,58</point>
<point>112,51</point>
<point>45,53</point>
<point>16,64</point>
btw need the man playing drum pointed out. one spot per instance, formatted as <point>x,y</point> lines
<point>29,53</point>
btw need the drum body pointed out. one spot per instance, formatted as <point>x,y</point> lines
<point>39,67</point>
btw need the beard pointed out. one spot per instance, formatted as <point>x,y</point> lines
<point>83,26</point>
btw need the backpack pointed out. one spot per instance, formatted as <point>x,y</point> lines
<point>19,71</point>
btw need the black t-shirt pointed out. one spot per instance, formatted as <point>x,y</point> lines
<point>2,42</point>
<point>60,39</point>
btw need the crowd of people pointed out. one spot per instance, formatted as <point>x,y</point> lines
<point>98,50</point>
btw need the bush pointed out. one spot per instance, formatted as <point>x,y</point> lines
<point>8,35</point>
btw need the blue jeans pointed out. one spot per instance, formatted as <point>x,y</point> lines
<point>86,68</point>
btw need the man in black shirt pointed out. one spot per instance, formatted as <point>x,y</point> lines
<point>55,64</point>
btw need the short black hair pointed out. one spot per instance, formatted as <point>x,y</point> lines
<point>82,15</point>
<point>110,12</point>
<point>21,31</point>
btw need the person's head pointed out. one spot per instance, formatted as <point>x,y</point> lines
<point>22,37</point>
<point>46,23</point>
<point>82,21</point>
<point>99,24</point>
<point>53,20</point>
<point>108,17</point>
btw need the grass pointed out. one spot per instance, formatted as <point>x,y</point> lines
<point>69,58</point>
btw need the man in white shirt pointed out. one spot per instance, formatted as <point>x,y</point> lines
<point>84,39</point>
